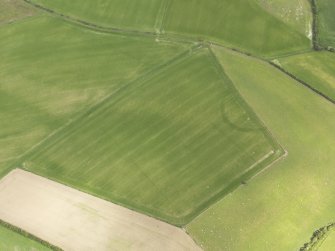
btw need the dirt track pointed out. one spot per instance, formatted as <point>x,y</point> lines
<point>73,220</point>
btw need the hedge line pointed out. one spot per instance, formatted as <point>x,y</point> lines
<point>29,235</point>
<point>318,236</point>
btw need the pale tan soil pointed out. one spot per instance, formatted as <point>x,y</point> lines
<point>73,220</point>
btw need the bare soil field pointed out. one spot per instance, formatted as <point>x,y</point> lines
<point>73,220</point>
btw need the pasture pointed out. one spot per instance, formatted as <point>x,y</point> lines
<point>316,68</point>
<point>167,145</point>
<point>127,14</point>
<point>142,104</point>
<point>256,30</point>
<point>259,30</point>
<point>51,71</point>
<point>328,243</point>
<point>283,206</point>
<point>326,22</point>
<point>10,240</point>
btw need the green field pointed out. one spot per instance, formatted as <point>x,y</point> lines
<point>255,31</point>
<point>138,102</point>
<point>169,146</point>
<point>296,13</point>
<point>12,241</point>
<point>13,10</point>
<point>326,22</point>
<point>329,243</point>
<point>260,29</point>
<point>280,208</point>
<point>46,81</point>
<point>317,69</point>
<point>128,14</point>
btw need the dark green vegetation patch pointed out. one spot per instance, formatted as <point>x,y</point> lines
<point>169,144</point>
<point>326,22</point>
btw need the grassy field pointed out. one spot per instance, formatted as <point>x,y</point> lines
<point>281,207</point>
<point>317,69</point>
<point>296,13</point>
<point>10,240</point>
<point>13,10</point>
<point>168,146</point>
<point>239,23</point>
<point>326,22</point>
<point>129,14</point>
<point>329,243</point>
<point>51,70</point>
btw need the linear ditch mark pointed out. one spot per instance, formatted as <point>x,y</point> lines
<point>29,235</point>
<point>318,237</point>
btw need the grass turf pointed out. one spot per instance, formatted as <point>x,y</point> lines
<point>329,243</point>
<point>326,22</point>
<point>51,70</point>
<point>239,23</point>
<point>167,145</point>
<point>281,207</point>
<point>317,69</point>
<point>10,240</point>
<point>129,14</point>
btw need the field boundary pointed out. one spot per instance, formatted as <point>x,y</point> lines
<point>90,25</point>
<point>317,46</point>
<point>29,235</point>
<point>20,162</point>
<point>182,38</point>
<point>278,151</point>
<point>302,82</point>
<point>106,98</point>
<point>318,237</point>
